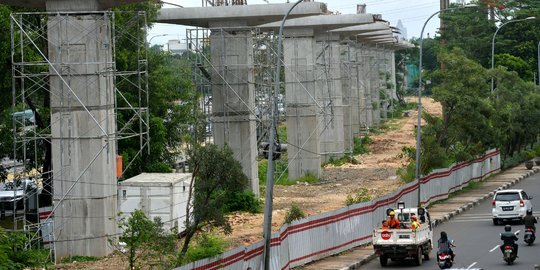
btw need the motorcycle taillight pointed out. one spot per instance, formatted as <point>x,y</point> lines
<point>507,247</point>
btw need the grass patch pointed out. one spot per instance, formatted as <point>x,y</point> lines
<point>206,246</point>
<point>343,160</point>
<point>362,195</point>
<point>80,259</point>
<point>280,166</point>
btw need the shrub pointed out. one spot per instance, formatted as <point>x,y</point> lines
<point>294,213</point>
<point>14,254</point>
<point>362,195</point>
<point>206,246</point>
<point>241,201</point>
<point>361,145</point>
<point>407,173</point>
<point>530,154</point>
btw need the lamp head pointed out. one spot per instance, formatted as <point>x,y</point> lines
<point>530,18</point>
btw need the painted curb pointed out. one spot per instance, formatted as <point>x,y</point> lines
<point>450,215</point>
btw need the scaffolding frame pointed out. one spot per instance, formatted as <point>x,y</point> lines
<point>31,77</point>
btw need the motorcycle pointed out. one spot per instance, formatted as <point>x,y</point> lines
<point>445,260</point>
<point>508,252</point>
<point>508,255</point>
<point>529,236</point>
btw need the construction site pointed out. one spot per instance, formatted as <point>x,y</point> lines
<point>338,83</point>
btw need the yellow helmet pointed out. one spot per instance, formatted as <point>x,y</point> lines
<point>392,213</point>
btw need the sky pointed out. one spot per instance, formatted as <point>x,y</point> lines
<point>412,14</point>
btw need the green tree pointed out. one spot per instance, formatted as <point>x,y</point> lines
<point>215,174</point>
<point>146,241</point>
<point>464,94</point>
<point>470,29</point>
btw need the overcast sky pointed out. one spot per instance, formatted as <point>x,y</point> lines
<point>412,14</point>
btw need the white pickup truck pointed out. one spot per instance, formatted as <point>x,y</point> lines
<point>403,243</point>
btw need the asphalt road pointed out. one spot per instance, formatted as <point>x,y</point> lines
<point>477,239</point>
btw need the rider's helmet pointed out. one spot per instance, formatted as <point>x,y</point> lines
<point>413,217</point>
<point>392,213</point>
<point>529,212</point>
<point>507,228</point>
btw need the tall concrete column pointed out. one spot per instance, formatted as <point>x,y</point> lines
<point>356,96</point>
<point>83,126</point>
<point>302,110</point>
<point>366,71</point>
<point>233,98</point>
<point>329,95</point>
<point>375,84</point>
<point>348,86</point>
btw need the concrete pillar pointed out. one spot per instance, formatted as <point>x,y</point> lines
<point>83,126</point>
<point>302,110</point>
<point>375,85</point>
<point>365,71</point>
<point>348,86</point>
<point>233,98</point>
<point>329,95</point>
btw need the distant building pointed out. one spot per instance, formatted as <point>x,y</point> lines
<point>402,29</point>
<point>175,46</point>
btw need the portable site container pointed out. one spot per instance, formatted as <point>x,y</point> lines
<point>163,195</point>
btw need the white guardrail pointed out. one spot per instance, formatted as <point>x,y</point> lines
<point>323,235</point>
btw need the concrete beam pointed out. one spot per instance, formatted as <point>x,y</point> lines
<point>358,29</point>
<point>322,22</point>
<point>228,16</point>
<point>68,5</point>
<point>375,34</point>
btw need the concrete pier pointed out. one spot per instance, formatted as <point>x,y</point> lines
<point>330,96</point>
<point>233,93</point>
<point>83,124</point>
<point>83,134</point>
<point>315,127</point>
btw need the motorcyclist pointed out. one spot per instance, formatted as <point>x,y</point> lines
<point>509,239</point>
<point>445,245</point>
<point>529,220</point>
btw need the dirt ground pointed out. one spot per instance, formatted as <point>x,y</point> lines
<point>376,172</point>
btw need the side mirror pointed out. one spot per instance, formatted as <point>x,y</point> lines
<point>516,233</point>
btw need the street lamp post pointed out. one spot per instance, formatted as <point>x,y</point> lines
<point>418,128</point>
<point>270,173</point>
<point>161,35</point>
<point>493,45</point>
<point>538,63</point>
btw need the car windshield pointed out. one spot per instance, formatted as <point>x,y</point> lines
<point>507,197</point>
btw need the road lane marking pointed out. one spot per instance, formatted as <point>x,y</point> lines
<point>473,264</point>
<point>497,246</point>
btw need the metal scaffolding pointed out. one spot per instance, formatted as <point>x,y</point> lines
<point>44,57</point>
